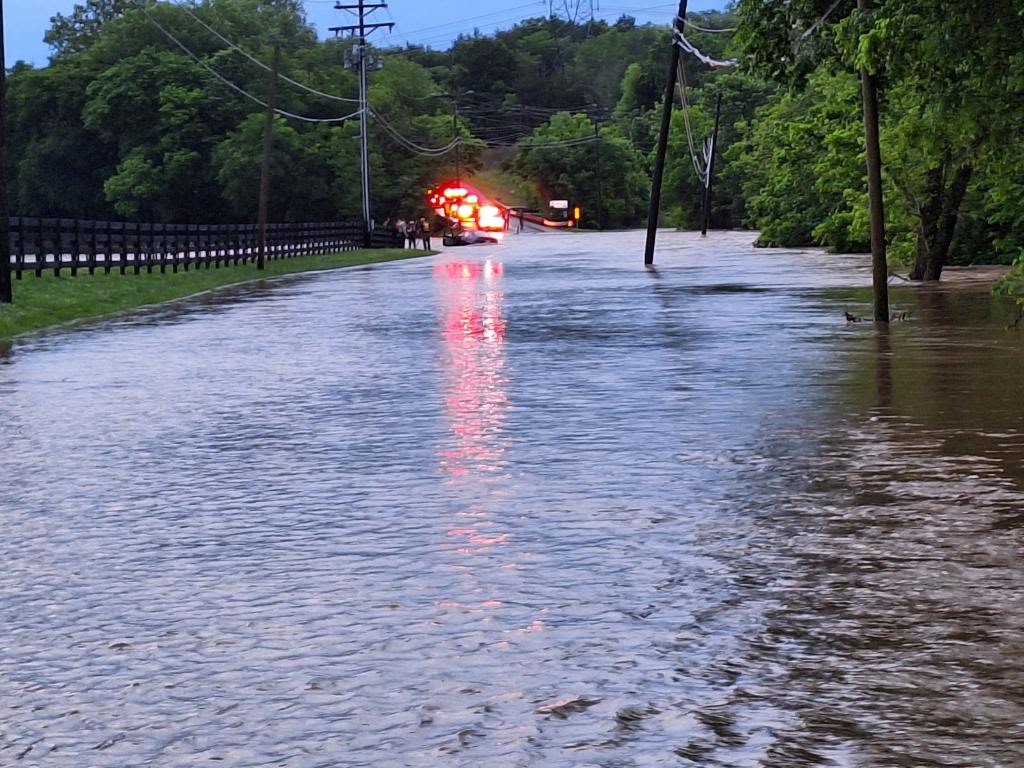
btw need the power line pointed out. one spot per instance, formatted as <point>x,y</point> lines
<point>462,21</point>
<point>683,86</point>
<point>821,20</point>
<point>238,88</point>
<point>409,143</point>
<point>721,30</point>
<point>259,63</point>
<point>526,144</point>
<point>680,39</point>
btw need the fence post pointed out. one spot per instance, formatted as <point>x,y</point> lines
<point>92,247</point>
<point>122,251</point>
<point>40,248</point>
<point>187,253</point>
<point>58,248</point>
<point>19,257</point>
<point>107,255</point>
<point>206,236</point>
<point>146,245</point>
<point>136,241</point>
<point>78,244</point>
<point>160,242</point>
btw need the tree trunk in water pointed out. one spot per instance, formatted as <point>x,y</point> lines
<point>938,222</point>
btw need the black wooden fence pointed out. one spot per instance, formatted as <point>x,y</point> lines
<point>38,245</point>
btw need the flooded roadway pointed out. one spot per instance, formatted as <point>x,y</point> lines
<point>526,505</point>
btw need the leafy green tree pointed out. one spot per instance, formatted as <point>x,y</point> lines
<point>682,193</point>
<point>299,190</point>
<point>57,166</point>
<point>411,102</point>
<point>801,167</point>
<point>566,170</point>
<point>643,81</point>
<point>164,170</point>
<point>484,65</point>
<point>81,28</point>
<point>941,112</point>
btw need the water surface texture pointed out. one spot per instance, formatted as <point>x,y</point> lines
<point>520,505</point>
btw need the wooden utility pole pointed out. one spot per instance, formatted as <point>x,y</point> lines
<point>6,296</point>
<point>711,169</point>
<point>455,138</point>
<point>600,193</point>
<point>879,268</point>
<point>659,158</point>
<point>362,9</point>
<point>268,148</point>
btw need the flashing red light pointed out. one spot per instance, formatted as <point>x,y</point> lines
<point>469,208</point>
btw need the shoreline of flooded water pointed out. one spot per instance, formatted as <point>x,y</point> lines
<point>521,505</point>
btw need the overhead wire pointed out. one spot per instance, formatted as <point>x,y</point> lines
<point>687,124</point>
<point>712,30</point>
<point>562,143</point>
<point>261,64</point>
<point>504,14</point>
<point>680,39</point>
<point>821,20</point>
<point>238,88</point>
<point>513,134</point>
<point>409,143</point>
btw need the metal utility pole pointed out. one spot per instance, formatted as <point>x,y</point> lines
<point>359,32</point>
<point>879,268</point>
<point>659,158</point>
<point>268,148</point>
<point>711,169</point>
<point>6,296</point>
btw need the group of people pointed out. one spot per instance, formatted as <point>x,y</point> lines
<point>414,231</point>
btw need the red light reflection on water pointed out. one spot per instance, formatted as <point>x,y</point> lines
<point>475,388</point>
<point>458,270</point>
<point>472,326</point>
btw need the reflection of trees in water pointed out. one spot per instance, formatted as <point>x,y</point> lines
<point>888,546</point>
<point>955,368</point>
<point>883,367</point>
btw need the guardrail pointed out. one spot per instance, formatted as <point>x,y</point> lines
<point>38,245</point>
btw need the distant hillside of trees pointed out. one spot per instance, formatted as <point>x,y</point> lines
<point>125,122</point>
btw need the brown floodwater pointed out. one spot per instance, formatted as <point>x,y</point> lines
<point>521,505</point>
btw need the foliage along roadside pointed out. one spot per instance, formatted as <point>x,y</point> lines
<point>952,125</point>
<point>124,123</point>
<point>43,302</point>
<point>1012,284</point>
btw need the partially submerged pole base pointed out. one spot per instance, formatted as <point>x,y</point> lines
<point>659,159</point>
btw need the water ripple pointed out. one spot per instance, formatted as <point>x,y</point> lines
<point>518,506</point>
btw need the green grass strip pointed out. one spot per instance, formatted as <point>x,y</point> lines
<point>43,302</point>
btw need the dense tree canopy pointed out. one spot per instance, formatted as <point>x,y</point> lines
<point>125,122</point>
<point>950,74</point>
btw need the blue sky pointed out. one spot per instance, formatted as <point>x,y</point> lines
<point>433,24</point>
